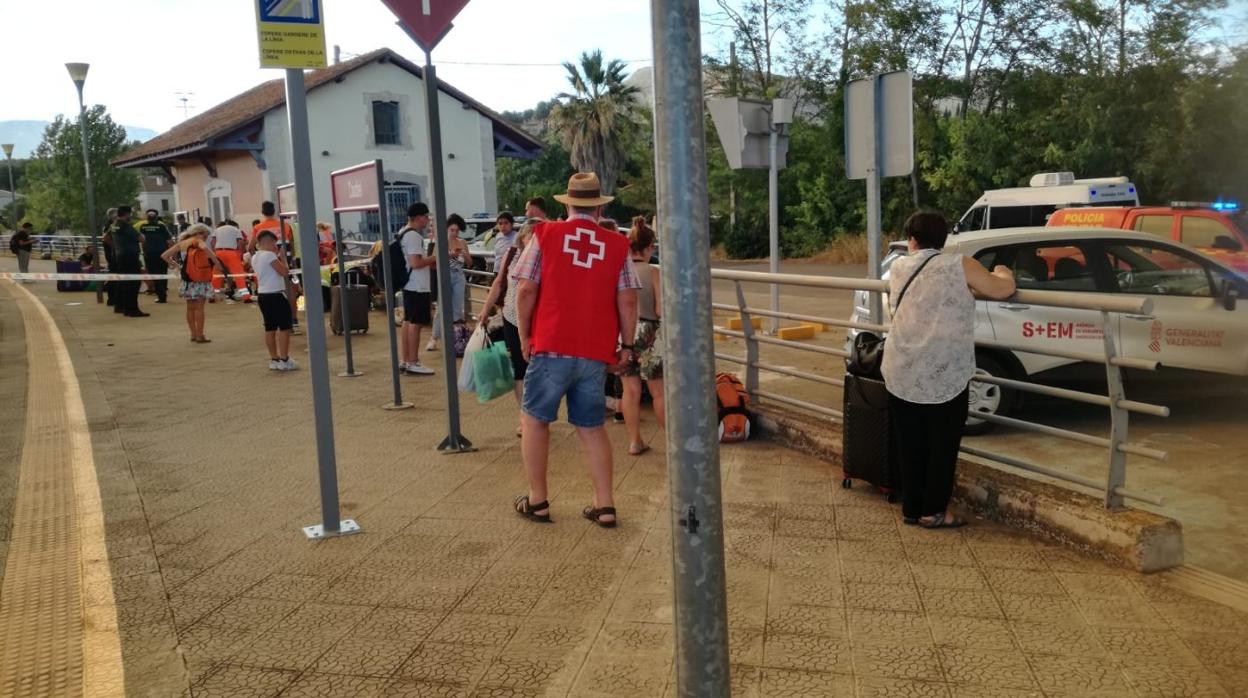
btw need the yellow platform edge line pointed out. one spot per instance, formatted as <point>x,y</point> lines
<point>103,674</point>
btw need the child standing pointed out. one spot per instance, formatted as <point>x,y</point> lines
<point>271,272</point>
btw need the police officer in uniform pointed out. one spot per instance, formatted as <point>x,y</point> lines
<point>127,246</point>
<point>156,239</point>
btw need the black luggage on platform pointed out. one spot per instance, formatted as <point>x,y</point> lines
<point>69,266</point>
<point>867,448</point>
<point>358,297</point>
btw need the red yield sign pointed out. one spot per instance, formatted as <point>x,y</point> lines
<point>426,20</point>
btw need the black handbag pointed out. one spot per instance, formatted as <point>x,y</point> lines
<point>866,356</point>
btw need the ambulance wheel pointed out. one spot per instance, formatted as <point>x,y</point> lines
<point>847,483</point>
<point>989,398</point>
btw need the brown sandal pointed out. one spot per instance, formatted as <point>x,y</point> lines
<point>596,515</point>
<point>529,510</point>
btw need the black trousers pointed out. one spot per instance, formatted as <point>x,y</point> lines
<point>927,438</point>
<point>127,294</point>
<point>156,265</point>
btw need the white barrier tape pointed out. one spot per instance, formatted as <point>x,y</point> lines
<point>64,276</point>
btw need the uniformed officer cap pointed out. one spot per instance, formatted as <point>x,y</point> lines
<point>123,210</point>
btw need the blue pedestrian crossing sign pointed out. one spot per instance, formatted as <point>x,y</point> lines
<point>291,33</point>
<point>290,11</point>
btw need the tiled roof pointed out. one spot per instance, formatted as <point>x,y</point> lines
<point>196,133</point>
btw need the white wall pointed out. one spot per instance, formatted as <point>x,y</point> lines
<point>341,122</point>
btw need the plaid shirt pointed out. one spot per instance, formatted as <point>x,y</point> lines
<point>528,265</point>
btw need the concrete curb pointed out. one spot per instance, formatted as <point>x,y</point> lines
<point>1129,538</point>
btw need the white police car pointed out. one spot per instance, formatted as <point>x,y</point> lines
<point>1197,321</point>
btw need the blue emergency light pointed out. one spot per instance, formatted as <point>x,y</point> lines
<point>1225,206</point>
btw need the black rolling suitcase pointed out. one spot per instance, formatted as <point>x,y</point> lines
<point>357,296</point>
<point>868,451</point>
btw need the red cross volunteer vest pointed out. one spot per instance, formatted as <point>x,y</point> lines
<point>576,313</point>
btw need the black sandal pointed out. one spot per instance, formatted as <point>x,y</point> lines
<point>529,510</point>
<point>939,521</point>
<point>596,515</point>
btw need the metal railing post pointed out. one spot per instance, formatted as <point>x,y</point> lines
<point>1118,417</point>
<point>751,345</point>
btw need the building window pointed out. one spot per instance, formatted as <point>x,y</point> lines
<point>386,123</point>
<point>164,205</point>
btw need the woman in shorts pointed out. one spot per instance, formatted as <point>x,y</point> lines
<point>647,363</point>
<point>198,262</point>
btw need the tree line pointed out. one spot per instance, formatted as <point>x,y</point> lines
<point>1003,89</point>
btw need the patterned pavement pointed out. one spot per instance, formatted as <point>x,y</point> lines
<point>207,470</point>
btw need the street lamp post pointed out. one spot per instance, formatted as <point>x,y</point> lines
<point>78,73</point>
<point>8,155</point>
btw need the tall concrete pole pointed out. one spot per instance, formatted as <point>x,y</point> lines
<point>698,578</point>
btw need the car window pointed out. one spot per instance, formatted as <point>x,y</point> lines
<point>1009,217</point>
<point>1045,267</point>
<point>1158,270</point>
<point>973,220</point>
<point>1158,225</point>
<point>1199,231</point>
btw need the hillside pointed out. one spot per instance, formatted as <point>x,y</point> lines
<point>26,135</point>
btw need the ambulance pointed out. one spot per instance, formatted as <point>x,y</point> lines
<point>1197,323</point>
<point>1032,205</point>
<point>1218,228</point>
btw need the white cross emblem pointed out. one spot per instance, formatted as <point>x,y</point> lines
<point>582,243</point>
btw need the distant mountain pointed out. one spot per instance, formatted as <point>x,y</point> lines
<point>27,135</point>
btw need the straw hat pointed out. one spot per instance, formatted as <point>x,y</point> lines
<point>584,191</point>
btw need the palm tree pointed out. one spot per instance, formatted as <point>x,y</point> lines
<point>597,120</point>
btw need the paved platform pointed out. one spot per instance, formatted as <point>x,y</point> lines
<point>206,470</point>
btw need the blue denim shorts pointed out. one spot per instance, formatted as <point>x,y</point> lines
<point>550,378</point>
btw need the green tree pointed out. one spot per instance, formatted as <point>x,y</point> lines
<point>597,120</point>
<point>545,176</point>
<point>55,179</point>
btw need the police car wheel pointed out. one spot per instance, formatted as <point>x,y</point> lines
<point>988,398</point>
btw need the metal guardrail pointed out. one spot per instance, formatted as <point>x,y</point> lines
<point>53,245</point>
<point>1116,445</point>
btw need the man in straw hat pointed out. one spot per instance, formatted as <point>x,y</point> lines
<point>576,296</point>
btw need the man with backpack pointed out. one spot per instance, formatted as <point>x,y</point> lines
<point>21,244</point>
<point>412,275</point>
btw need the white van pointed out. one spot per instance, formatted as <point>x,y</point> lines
<point>1032,205</point>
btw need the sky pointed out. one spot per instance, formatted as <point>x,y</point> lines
<point>144,52</point>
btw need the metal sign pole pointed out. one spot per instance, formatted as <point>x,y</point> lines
<point>388,283</point>
<point>455,441</point>
<point>344,306</point>
<point>773,216</point>
<point>318,361</point>
<point>875,144</point>
<point>698,578</point>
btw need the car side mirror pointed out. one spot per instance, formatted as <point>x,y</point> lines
<point>1230,295</point>
<point>957,227</point>
<point>1226,242</point>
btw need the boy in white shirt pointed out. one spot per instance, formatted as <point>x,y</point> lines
<point>271,272</point>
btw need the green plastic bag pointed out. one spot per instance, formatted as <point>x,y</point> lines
<point>491,372</point>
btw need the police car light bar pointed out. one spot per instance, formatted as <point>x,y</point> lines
<point>1224,206</point>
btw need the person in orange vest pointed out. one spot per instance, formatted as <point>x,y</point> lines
<point>576,297</point>
<point>228,243</point>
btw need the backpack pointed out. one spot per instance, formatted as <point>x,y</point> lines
<point>733,403</point>
<point>13,243</point>
<point>398,272</point>
<point>196,266</point>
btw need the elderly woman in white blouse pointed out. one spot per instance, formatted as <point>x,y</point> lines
<point>929,359</point>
